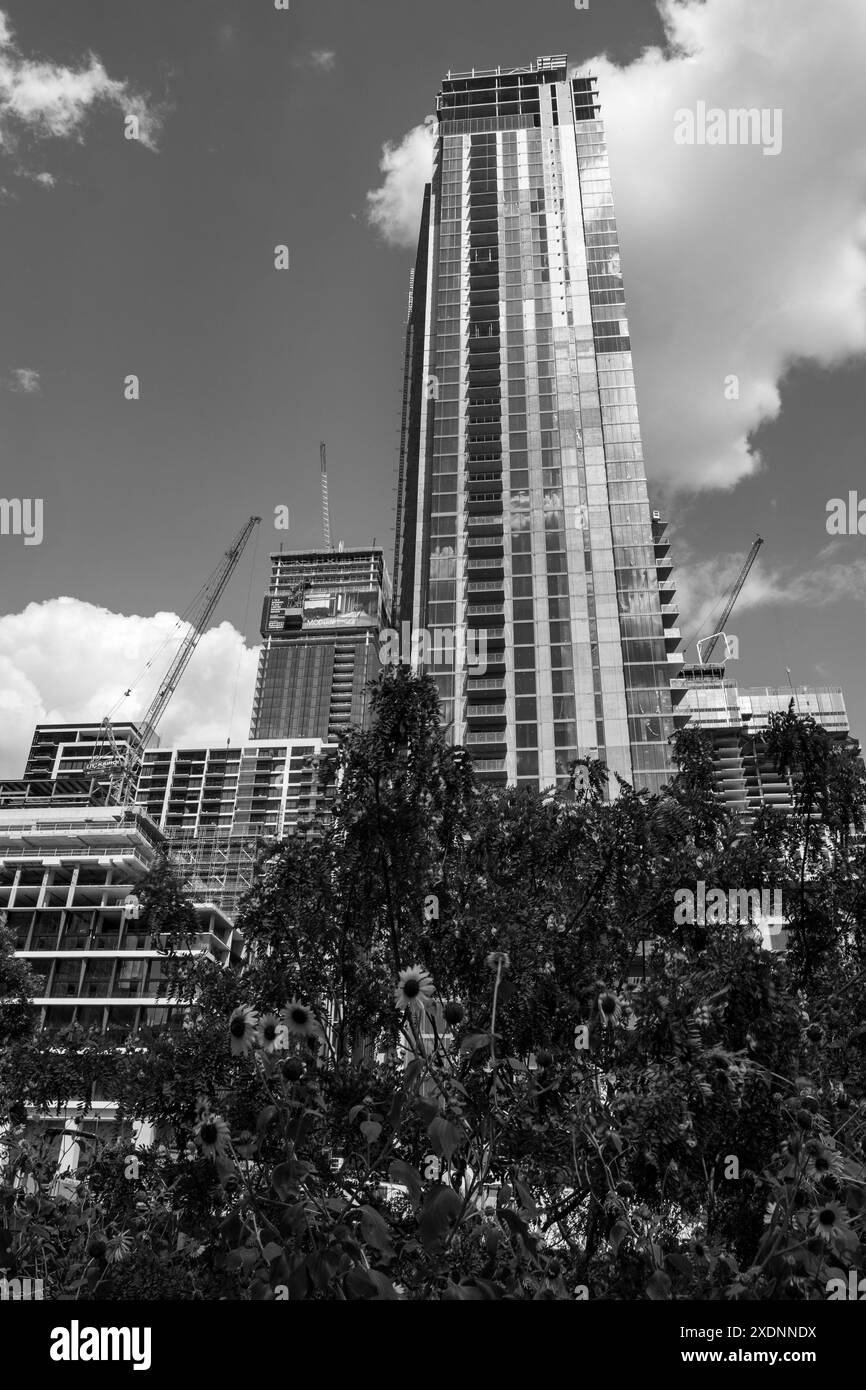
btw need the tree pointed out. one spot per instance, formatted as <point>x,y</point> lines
<point>472,1053</point>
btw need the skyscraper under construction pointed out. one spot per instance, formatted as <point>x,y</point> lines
<point>522,497</point>
<point>320,623</point>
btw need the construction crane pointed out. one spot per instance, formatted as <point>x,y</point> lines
<point>709,643</point>
<point>121,766</point>
<point>326,511</point>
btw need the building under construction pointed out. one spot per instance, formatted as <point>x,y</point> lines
<point>321,622</point>
<point>735,719</point>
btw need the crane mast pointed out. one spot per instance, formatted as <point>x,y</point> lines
<point>326,511</point>
<point>122,767</point>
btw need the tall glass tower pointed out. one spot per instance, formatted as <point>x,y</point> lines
<point>522,497</point>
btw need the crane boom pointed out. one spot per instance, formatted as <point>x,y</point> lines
<point>213,592</point>
<point>732,598</point>
<point>121,767</point>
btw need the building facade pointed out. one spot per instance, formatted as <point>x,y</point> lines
<point>522,498</point>
<point>212,806</point>
<point>68,880</point>
<point>216,805</point>
<point>736,717</point>
<point>320,624</point>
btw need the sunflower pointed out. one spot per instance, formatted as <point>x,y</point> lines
<point>498,960</point>
<point>828,1221</point>
<point>213,1134</point>
<point>299,1018</point>
<point>119,1248</point>
<point>414,987</point>
<point>823,1163</point>
<point>610,1008</point>
<point>242,1028</point>
<point>271,1033</point>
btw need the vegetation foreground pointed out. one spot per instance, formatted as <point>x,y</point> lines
<point>432,1079</point>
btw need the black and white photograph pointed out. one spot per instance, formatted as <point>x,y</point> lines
<point>432,655</point>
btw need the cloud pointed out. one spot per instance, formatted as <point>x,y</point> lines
<point>42,99</point>
<point>43,678</point>
<point>24,379</point>
<point>323,58</point>
<point>394,209</point>
<point>736,264</point>
<point>703,585</point>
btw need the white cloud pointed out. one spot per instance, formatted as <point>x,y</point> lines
<point>44,678</point>
<point>25,379</point>
<point>395,208</point>
<point>735,264</point>
<point>738,264</point>
<point>703,585</point>
<point>44,99</point>
<point>323,58</point>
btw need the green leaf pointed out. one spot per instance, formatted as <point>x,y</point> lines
<point>271,1251</point>
<point>441,1207</point>
<point>283,1179</point>
<point>264,1118</point>
<point>374,1229</point>
<point>527,1201</point>
<point>618,1234</point>
<point>659,1286</point>
<point>385,1289</point>
<point>371,1129</point>
<point>474,1043</point>
<point>359,1284</point>
<point>427,1109</point>
<point>322,1265</point>
<point>445,1137</point>
<point>404,1175</point>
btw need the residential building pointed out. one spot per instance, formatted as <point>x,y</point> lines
<point>68,880</point>
<point>523,510</point>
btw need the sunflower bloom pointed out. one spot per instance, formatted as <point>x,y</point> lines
<point>823,1163</point>
<point>242,1029</point>
<point>414,988</point>
<point>828,1221</point>
<point>271,1033</point>
<point>299,1018</point>
<point>213,1135</point>
<point>610,1009</point>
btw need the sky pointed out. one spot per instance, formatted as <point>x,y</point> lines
<point>256,128</point>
